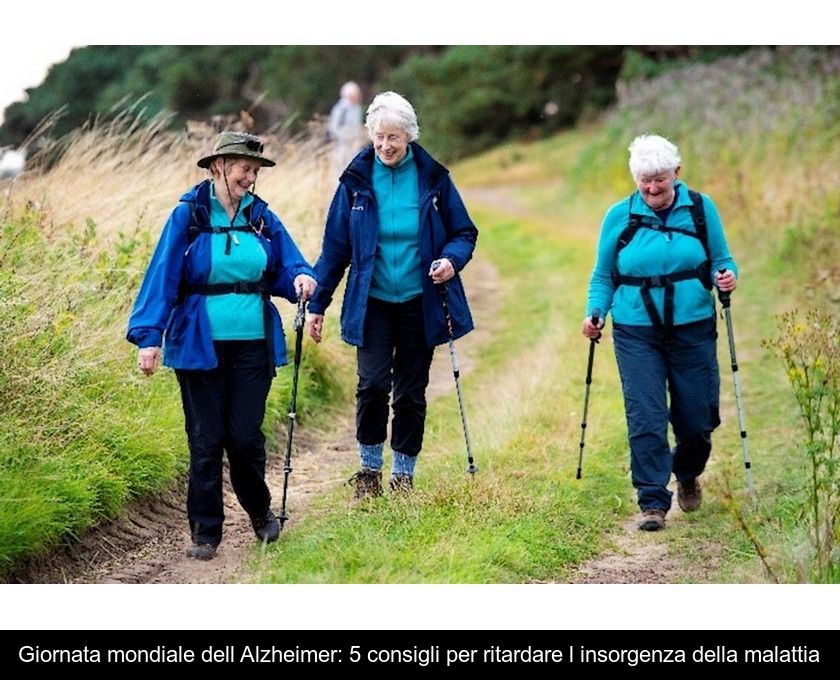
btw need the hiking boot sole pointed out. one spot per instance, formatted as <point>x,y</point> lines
<point>202,551</point>
<point>651,525</point>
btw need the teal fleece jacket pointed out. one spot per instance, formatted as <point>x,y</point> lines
<point>396,269</point>
<point>653,253</point>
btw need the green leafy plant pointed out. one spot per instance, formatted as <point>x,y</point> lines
<point>810,351</point>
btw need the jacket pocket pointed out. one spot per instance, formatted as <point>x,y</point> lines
<point>177,325</point>
<point>458,308</point>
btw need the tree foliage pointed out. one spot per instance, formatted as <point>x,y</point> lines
<point>467,97</point>
<point>470,98</point>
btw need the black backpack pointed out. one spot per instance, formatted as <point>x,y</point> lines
<point>666,281</point>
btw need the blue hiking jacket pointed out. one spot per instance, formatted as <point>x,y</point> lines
<point>350,239</point>
<point>159,318</point>
<point>653,253</point>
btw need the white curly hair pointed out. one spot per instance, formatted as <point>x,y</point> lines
<point>392,109</point>
<point>652,154</point>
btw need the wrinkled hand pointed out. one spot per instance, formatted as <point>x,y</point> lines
<point>316,325</point>
<point>442,272</point>
<point>147,359</point>
<point>590,330</point>
<point>304,286</point>
<point>726,282</point>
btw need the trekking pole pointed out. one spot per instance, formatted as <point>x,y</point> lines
<point>725,301</point>
<point>443,289</point>
<point>596,313</point>
<point>300,318</point>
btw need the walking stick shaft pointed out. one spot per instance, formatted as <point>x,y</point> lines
<point>739,402</point>
<point>287,463</point>
<point>596,314</point>
<point>725,301</point>
<point>472,468</point>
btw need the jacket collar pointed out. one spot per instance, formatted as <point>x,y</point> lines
<point>404,163</point>
<point>199,196</point>
<point>359,174</point>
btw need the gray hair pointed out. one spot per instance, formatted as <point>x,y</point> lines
<point>652,154</point>
<point>394,109</point>
<point>349,88</point>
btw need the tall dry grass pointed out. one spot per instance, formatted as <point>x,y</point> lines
<point>124,174</point>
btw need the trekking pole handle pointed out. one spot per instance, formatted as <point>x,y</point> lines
<point>724,296</point>
<point>300,315</point>
<point>596,317</point>
<point>435,264</point>
<point>443,289</point>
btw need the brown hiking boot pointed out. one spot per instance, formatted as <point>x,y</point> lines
<point>653,519</point>
<point>401,483</point>
<point>689,495</point>
<point>368,483</point>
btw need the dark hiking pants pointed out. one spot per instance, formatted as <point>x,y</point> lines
<point>224,409</point>
<point>394,354</point>
<point>652,370</point>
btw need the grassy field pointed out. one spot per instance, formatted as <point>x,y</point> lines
<point>523,517</point>
<point>774,178</point>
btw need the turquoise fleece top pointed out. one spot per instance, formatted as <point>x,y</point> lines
<point>653,253</point>
<point>396,267</point>
<point>235,316</point>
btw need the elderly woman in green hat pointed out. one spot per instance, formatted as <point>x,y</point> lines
<point>205,301</point>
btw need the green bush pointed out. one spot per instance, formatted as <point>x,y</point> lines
<point>810,352</point>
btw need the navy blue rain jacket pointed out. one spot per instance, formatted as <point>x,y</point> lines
<point>159,314</point>
<point>351,236</point>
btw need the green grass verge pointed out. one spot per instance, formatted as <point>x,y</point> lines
<point>82,434</point>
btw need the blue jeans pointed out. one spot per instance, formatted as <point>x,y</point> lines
<point>653,369</point>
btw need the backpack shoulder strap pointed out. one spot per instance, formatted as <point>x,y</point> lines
<point>698,216</point>
<point>634,223</point>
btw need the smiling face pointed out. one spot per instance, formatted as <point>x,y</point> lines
<point>657,189</point>
<point>235,174</point>
<point>390,142</point>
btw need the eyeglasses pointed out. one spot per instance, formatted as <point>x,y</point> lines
<point>250,144</point>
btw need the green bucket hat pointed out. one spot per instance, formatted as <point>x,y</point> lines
<point>237,144</point>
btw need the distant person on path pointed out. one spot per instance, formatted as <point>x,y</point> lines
<point>345,127</point>
<point>398,222</point>
<point>659,256</point>
<point>222,253</point>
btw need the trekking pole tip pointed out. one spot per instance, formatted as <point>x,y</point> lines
<point>472,468</point>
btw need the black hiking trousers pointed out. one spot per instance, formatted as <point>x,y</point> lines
<point>224,409</point>
<point>394,354</point>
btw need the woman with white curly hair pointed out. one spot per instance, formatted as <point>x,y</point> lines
<point>661,252</point>
<point>398,223</point>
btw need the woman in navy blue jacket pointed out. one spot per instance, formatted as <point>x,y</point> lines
<point>206,300</point>
<point>398,223</point>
